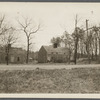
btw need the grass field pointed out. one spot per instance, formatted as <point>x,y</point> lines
<point>77,80</point>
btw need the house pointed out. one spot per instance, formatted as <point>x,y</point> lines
<point>53,54</point>
<point>2,55</point>
<point>16,55</point>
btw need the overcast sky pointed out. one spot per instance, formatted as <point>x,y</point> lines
<point>55,17</point>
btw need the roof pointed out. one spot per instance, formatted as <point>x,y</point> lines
<point>13,50</point>
<point>51,49</point>
<point>17,50</point>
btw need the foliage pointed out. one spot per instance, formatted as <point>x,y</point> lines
<point>56,40</point>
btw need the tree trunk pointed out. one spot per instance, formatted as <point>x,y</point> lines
<point>96,48</point>
<point>7,55</point>
<point>82,51</point>
<point>88,53</point>
<point>75,54</point>
<point>99,49</point>
<point>89,60</point>
<point>92,55</point>
<point>27,56</point>
<point>69,55</point>
<point>7,59</point>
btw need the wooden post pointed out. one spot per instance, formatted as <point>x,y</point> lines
<point>88,53</point>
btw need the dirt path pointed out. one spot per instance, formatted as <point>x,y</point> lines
<point>45,66</point>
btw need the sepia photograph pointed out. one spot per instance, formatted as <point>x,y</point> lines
<point>49,48</point>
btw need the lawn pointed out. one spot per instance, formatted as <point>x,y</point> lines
<point>76,80</point>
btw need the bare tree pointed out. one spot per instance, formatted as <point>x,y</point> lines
<point>3,27</point>
<point>6,35</point>
<point>8,39</point>
<point>29,28</point>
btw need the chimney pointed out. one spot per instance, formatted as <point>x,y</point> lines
<point>9,45</point>
<point>55,45</point>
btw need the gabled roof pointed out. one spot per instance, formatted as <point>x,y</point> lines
<point>13,50</point>
<point>17,50</point>
<point>51,49</point>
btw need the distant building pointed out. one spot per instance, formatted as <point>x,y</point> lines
<point>16,55</point>
<point>53,54</point>
<point>2,55</point>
